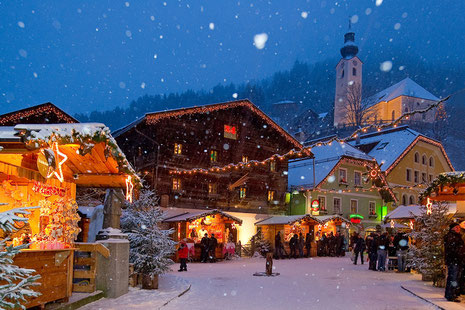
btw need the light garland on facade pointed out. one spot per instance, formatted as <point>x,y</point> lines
<point>129,188</point>
<point>45,108</point>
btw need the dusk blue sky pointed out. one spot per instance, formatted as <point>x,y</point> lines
<point>95,55</point>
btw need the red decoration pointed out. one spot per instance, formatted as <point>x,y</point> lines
<point>315,205</point>
<point>48,190</point>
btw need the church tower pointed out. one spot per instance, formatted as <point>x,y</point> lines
<point>348,73</point>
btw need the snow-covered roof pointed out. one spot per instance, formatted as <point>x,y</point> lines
<point>409,212</point>
<point>396,225</point>
<point>327,218</point>
<point>300,172</point>
<point>44,131</point>
<point>322,115</point>
<point>8,134</point>
<point>406,87</point>
<point>386,146</point>
<point>286,219</point>
<point>192,216</point>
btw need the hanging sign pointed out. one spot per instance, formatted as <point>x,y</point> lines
<point>356,218</point>
<point>315,205</point>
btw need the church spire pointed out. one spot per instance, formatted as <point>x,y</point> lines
<point>349,49</point>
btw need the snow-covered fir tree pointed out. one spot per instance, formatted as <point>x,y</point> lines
<point>427,250</point>
<point>259,244</point>
<point>16,282</point>
<point>150,246</point>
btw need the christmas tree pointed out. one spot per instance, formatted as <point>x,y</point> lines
<point>259,244</point>
<point>151,247</point>
<point>16,281</point>
<point>427,250</point>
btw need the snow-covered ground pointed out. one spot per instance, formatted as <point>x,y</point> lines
<point>318,283</point>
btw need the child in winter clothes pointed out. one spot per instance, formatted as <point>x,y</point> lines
<point>182,254</point>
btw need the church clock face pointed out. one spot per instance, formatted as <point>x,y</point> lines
<point>354,62</point>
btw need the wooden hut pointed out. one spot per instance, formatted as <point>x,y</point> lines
<point>288,225</point>
<point>40,168</point>
<point>194,225</point>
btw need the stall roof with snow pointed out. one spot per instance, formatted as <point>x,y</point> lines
<point>86,154</point>
<point>389,146</point>
<point>192,216</point>
<point>286,219</point>
<point>300,175</point>
<point>447,186</point>
<point>410,211</point>
<point>333,217</point>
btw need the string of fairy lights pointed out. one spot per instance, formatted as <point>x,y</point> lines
<point>306,151</point>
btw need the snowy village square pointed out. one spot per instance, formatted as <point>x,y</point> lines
<point>304,154</point>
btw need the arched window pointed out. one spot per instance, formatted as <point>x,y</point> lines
<point>417,157</point>
<point>342,74</point>
<point>406,110</point>
<point>404,200</point>
<point>354,71</point>
<point>412,200</point>
<point>393,114</point>
<point>423,160</point>
<point>431,161</point>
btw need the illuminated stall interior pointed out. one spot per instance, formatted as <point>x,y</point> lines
<point>332,224</point>
<point>40,168</point>
<point>194,225</point>
<point>288,225</point>
<point>447,187</point>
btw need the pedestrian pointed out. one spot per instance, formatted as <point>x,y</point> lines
<point>212,244</point>
<point>332,245</point>
<point>300,244</point>
<point>359,248</point>
<point>343,245</point>
<point>204,243</point>
<point>293,246</point>
<point>383,244</point>
<point>308,243</point>
<point>401,244</point>
<point>183,252</point>
<point>325,241</point>
<point>278,246</point>
<point>372,248</point>
<point>339,244</point>
<point>454,249</point>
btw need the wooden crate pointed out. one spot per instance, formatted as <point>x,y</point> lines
<point>56,270</point>
<point>85,266</point>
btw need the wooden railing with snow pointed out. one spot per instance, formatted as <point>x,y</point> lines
<point>85,265</point>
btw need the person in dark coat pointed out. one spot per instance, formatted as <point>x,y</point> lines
<point>359,248</point>
<point>212,244</point>
<point>343,246</point>
<point>401,244</point>
<point>331,245</point>
<point>383,244</point>
<point>293,246</point>
<point>308,243</point>
<point>204,248</point>
<point>454,249</point>
<point>278,246</point>
<point>300,245</point>
<point>339,244</point>
<point>183,252</point>
<point>372,248</point>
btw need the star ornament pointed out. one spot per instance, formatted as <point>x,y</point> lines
<point>58,171</point>
<point>129,189</point>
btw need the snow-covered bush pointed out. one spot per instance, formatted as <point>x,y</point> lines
<point>259,244</point>
<point>426,254</point>
<point>16,281</point>
<point>150,246</point>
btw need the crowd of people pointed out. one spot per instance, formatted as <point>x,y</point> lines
<point>380,246</point>
<point>208,247</point>
<point>297,243</point>
<point>331,245</point>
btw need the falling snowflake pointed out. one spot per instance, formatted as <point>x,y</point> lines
<point>20,24</point>
<point>260,40</point>
<point>379,2</point>
<point>386,66</point>
<point>397,26</point>
<point>304,14</point>
<point>234,95</point>
<point>211,26</point>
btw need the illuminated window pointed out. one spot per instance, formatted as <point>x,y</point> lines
<point>357,178</point>
<point>230,132</point>
<point>245,159</point>
<point>176,184</point>
<point>212,188</point>
<point>177,149</point>
<point>271,195</point>
<point>353,206</point>
<point>408,175</point>
<point>242,192</point>
<point>372,208</point>
<point>342,175</point>
<point>322,201</point>
<point>213,156</point>
<point>272,166</point>
<point>337,205</point>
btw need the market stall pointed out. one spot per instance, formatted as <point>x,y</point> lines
<point>288,225</point>
<point>194,225</point>
<point>332,224</point>
<point>40,167</point>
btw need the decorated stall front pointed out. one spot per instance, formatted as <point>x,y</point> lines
<point>288,225</point>
<point>40,167</point>
<point>448,186</point>
<point>333,224</point>
<point>193,226</point>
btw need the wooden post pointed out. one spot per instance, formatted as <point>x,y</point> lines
<point>269,263</point>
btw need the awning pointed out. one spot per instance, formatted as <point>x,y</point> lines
<point>287,219</point>
<point>192,216</point>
